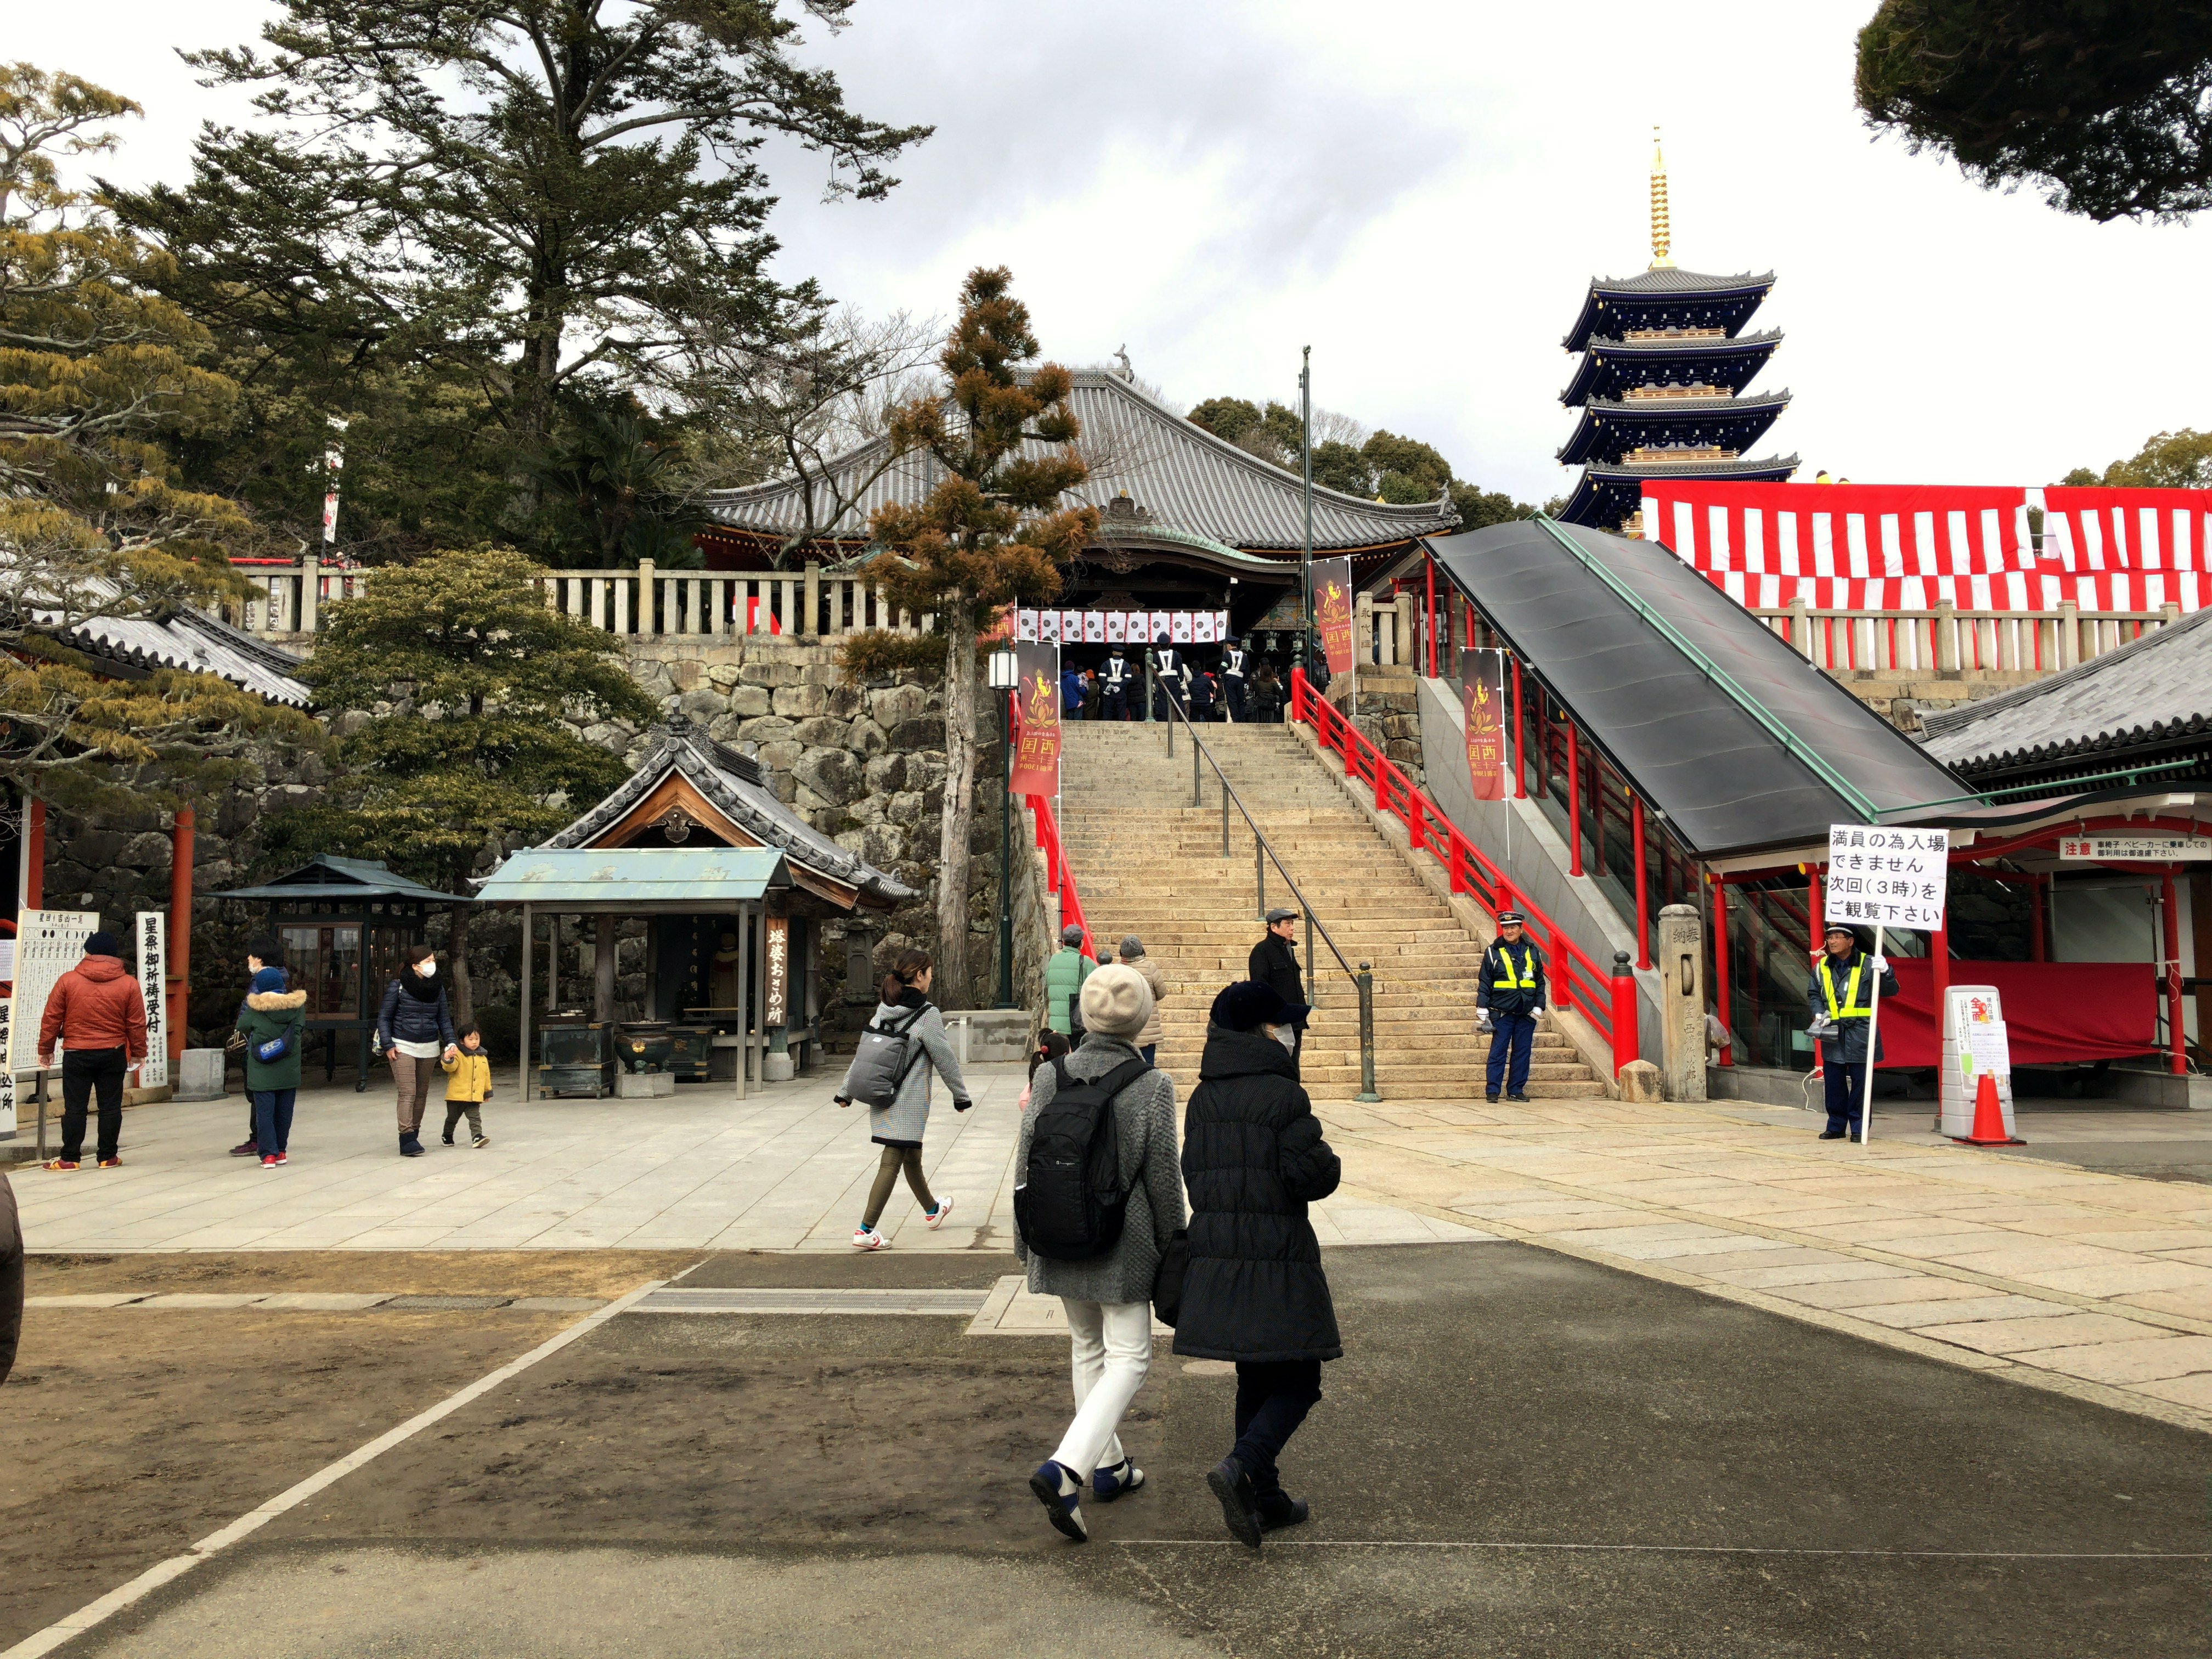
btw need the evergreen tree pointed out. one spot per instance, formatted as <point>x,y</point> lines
<point>991,534</point>
<point>98,376</point>
<point>452,207</point>
<point>2167,460</point>
<point>461,689</point>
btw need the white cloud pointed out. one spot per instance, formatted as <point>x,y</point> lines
<point>1420,191</point>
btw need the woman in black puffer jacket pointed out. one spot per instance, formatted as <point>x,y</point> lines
<point>1252,1158</point>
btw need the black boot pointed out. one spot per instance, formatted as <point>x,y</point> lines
<point>1279,1510</point>
<point>411,1145</point>
<point>1240,1511</point>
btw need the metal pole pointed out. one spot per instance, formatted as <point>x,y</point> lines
<point>1197,782</point>
<point>1259,876</point>
<point>1005,859</point>
<point>1224,818</point>
<point>1366,1035</point>
<point>1310,957</point>
<point>1148,689</point>
<point>1305,469</point>
<point>39,1089</point>
<point>1873,1014</point>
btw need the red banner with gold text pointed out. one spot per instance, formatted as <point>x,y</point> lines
<point>1036,749</point>
<point>1331,580</point>
<point>1485,723</point>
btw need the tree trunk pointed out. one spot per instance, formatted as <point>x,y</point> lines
<point>457,961</point>
<point>958,620</point>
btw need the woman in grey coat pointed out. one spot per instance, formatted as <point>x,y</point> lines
<point>1108,1297</point>
<point>898,1127</point>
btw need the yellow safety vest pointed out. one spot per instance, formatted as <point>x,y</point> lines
<point>1527,980</point>
<point>1851,1009</point>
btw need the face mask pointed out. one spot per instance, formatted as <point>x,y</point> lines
<point>427,969</point>
<point>1286,1036</point>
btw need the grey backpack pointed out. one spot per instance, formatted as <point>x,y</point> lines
<point>886,1055</point>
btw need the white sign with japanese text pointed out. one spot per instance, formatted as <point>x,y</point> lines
<point>1880,878</point>
<point>2133,849</point>
<point>48,944</point>
<point>152,930</point>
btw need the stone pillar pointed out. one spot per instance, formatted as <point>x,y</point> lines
<point>813,600</point>
<point>2069,634</point>
<point>1681,963</point>
<point>1801,628</point>
<point>1947,639</point>
<point>648,622</point>
<point>310,593</point>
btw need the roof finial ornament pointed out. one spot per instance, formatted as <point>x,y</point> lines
<point>1122,357</point>
<point>1662,239</point>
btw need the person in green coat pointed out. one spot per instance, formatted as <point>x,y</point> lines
<point>272,1012</point>
<point>1064,970</point>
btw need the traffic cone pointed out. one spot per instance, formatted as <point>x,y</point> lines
<point>1989,1118</point>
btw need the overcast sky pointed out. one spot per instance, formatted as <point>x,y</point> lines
<point>1421,191</point>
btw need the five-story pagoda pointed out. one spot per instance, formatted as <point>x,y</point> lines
<point>1660,385</point>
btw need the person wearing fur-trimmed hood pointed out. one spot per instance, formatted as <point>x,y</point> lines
<point>273,1016</point>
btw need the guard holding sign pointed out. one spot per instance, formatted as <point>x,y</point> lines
<point>1841,992</point>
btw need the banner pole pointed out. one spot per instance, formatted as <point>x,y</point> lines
<point>1873,1015</point>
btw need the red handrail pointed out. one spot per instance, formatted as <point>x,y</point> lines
<point>1608,1004</point>
<point>1058,878</point>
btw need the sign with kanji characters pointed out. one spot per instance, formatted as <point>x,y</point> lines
<point>1036,749</point>
<point>2133,849</point>
<point>1880,878</point>
<point>1484,696</point>
<point>151,928</point>
<point>1332,580</point>
<point>778,998</point>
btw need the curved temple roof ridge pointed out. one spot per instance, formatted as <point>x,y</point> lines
<point>733,782</point>
<point>1177,474</point>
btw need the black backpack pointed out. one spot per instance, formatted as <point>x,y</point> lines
<point>1069,1201</point>
<point>882,1059</point>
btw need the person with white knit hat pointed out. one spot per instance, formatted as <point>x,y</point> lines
<point>1108,1295</point>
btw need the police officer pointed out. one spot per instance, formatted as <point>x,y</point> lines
<point>1510,1000</point>
<point>1232,677</point>
<point>1168,677</point>
<point>1113,686</point>
<point>1841,992</point>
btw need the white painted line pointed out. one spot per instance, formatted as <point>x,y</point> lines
<point>154,1577</point>
<point>1666,1549</point>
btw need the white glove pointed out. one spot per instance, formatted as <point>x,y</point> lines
<point>1536,1012</point>
<point>1881,964</point>
<point>1482,1019</point>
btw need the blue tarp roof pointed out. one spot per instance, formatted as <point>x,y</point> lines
<point>634,879</point>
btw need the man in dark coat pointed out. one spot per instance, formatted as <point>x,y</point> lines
<point>1234,662</point>
<point>1115,684</point>
<point>1274,964</point>
<point>1509,997</point>
<point>1841,992</point>
<point>1252,1158</point>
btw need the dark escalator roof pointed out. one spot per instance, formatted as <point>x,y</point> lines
<point>1773,763</point>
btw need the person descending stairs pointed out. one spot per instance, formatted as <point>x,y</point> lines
<point>1147,862</point>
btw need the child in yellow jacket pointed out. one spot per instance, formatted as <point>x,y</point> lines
<point>469,1069</point>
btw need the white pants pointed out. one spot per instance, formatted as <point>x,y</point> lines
<point>1111,1350</point>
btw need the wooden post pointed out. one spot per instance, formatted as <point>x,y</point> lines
<point>34,855</point>
<point>2200,938</point>
<point>1574,799</point>
<point>1642,884</point>
<point>522,1014</point>
<point>1428,565</point>
<point>1721,1001</point>
<point>1519,738</point>
<point>2177,1035</point>
<point>603,968</point>
<point>1939,978</point>
<point>2037,950</point>
<point>181,933</point>
<point>1813,919</point>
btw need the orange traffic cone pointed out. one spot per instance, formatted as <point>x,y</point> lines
<point>1989,1118</point>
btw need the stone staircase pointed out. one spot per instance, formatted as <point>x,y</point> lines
<point>1147,862</point>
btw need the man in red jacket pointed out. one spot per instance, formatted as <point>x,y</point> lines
<point>97,1012</point>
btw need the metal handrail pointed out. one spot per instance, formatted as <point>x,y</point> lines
<point>1363,978</point>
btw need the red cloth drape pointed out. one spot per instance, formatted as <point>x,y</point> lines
<point>2055,1013</point>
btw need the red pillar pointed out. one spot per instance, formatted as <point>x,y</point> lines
<point>34,855</point>
<point>180,931</point>
<point>1720,1002</point>
<point>2037,951</point>
<point>1574,800</point>
<point>1813,907</point>
<point>1939,972</point>
<point>1519,738</point>
<point>1429,562</point>
<point>2177,1036</point>
<point>1642,884</point>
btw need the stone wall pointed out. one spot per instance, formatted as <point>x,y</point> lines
<point>1387,713</point>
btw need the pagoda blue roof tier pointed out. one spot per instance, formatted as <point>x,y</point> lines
<point>1608,430</point>
<point>1610,367</point>
<point>1607,495</point>
<point>1667,298</point>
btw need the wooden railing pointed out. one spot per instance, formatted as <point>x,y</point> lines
<point>643,603</point>
<point>1946,640</point>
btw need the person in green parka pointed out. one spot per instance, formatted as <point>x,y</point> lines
<point>273,1013</point>
<point>1064,970</point>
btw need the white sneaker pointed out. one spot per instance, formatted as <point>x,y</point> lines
<point>936,1217</point>
<point>868,1238</point>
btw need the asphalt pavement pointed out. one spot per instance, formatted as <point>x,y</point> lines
<point>1522,1454</point>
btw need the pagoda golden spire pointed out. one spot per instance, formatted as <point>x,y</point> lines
<point>1662,239</point>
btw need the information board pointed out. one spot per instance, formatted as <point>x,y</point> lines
<point>1974,1046</point>
<point>48,944</point>
<point>2132,850</point>
<point>1880,878</point>
<point>152,929</point>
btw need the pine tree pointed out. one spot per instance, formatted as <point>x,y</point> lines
<point>462,687</point>
<point>991,534</point>
<point>99,376</point>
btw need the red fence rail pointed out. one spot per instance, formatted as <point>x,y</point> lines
<point>1607,1001</point>
<point>1058,878</point>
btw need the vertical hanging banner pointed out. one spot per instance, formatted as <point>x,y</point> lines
<point>152,928</point>
<point>1485,723</point>
<point>1116,628</point>
<point>1037,750</point>
<point>778,1011</point>
<point>1331,580</point>
<point>48,944</point>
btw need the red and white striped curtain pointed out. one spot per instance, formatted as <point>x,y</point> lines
<point>1911,547</point>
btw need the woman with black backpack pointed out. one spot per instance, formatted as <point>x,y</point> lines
<point>1093,1234</point>
<point>908,1034</point>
